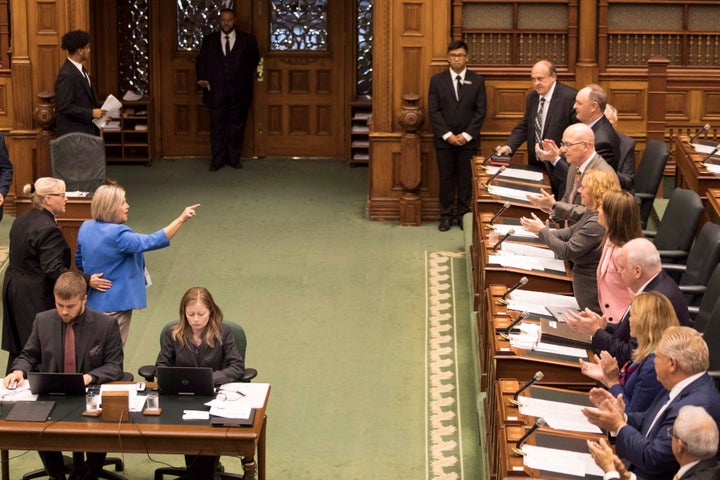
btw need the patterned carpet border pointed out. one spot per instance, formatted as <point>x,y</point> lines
<point>444,444</point>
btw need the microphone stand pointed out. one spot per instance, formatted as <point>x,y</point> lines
<point>536,378</point>
<point>517,450</point>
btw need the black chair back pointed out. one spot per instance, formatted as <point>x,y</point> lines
<point>679,223</point>
<point>78,159</point>
<point>648,176</point>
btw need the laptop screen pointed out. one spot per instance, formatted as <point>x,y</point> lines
<point>44,383</point>
<point>185,380</point>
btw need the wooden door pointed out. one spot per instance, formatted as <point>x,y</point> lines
<point>300,100</point>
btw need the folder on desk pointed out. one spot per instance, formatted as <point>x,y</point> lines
<point>30,411</point>
<point>559,333</point>
<point>216,421</point>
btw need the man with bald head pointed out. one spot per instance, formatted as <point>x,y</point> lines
<point>548,110</point>
<point>638,263</point>
<point>578,148</point>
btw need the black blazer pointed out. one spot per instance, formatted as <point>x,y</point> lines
<point>231,78</point>
<point>74,102</point>
<point>618,342</point>
<point>448,114</point>
<point>708,469</point>
<point>607,142</point>
<point>560,115</point>
<point>626,166</point>
<point>6,171</point>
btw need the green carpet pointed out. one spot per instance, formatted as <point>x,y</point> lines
<point>333,305</point>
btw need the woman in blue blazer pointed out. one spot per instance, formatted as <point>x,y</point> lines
<point>651,313</point>
<point>107,246</point>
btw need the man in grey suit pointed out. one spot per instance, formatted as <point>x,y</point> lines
<point>76,104</point>
<point>548,110</point>
<point>71,338</point>
<point>578,148</point>
<point>456,102</point>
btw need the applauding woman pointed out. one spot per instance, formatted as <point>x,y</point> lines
<point>651,313</point>
<point>200,339</point>
<point>582,242</point>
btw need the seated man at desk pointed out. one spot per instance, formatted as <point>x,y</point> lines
<point>694,445</point>
<point>578,147</point>
<point>71,338</point>
<point>638,264</point>
<point>645,439</point>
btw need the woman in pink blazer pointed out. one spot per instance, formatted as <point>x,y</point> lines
<point>620,216</point>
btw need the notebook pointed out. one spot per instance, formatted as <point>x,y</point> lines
<point>185,380</point>
<point>43,383</point>
<point>30,411</point>
<point>560,333</point>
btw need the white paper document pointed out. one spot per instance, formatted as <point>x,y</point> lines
<point>560,461</point>
<point>112,106</point>
<point>558,415</point>
<point>536,302</point>
<point>513,193</point>
<point>712,168</point>
<point>700,148</point>
<point>561,350</point>
<point>516,173</point>
<point>527,263</point>
<point>527,338</point>
<point>501,229</point>
<point>195,415</point>
<point>253,394</point>
<point>19,394</point>
<point>527,250</point>
<point>135,402</point>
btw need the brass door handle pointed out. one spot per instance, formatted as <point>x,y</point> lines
<point>260,74</point>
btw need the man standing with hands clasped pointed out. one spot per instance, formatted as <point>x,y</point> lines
<point>225,70</point>
<point>456,103</point>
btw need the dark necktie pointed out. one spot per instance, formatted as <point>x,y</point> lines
<point>69,356</point>
<point>87,77</point>
<point>227,45</point>
<point>538,121</point>
<point>459,85</point>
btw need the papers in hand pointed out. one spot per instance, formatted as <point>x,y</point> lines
<point>112,106</point>
<point>560,461</point>
<point>516,173</point>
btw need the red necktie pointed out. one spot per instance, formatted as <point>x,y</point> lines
<point>576,186</point>
<point>69,358</point>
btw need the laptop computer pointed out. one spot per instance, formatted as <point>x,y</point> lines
<point>44,383</point>
<point>185,380</point>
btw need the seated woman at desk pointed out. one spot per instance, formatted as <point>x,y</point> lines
<point>200,339</point>
<point>582,242</point>
<point>620,216</point>
<point>651,313</point>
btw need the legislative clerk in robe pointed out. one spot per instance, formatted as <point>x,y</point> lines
<point>456,103</point>
<point>548,112</point>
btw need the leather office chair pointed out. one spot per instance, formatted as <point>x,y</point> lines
<point>626,166</point>
<point>148,373</point>
<point>711,292</point>
<point>648,176</point>
<point>711,334</point>
<point>677,228</point>
<point>78,159</point>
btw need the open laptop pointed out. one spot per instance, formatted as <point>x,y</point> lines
<point>185,380</point>
<point>43,383</point>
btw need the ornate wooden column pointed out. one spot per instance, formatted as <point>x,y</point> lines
<point>587,64</point>
<point>656,97</point>
<point>411,119</point>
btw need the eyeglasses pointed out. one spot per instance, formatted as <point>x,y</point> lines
<point>566,144</point>
<point>671,433</point>
<point>225,395</point>
<point>457,55</point>
<point>55,195</point>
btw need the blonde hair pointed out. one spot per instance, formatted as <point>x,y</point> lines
<point>600,182</point>
<point>106,201</point>
<point>43,187</point>
<point>686,346</point>
<point>651,313</point>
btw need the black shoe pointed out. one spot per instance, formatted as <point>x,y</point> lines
<point>215,168</point>
<point>236,165</point>
<point>445,224</point>
<point>459,222</point>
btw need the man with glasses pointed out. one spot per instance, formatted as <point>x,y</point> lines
<point>578,148</point>
<point>644,439</point>
<point>548,112</point>
<point>456,102</point>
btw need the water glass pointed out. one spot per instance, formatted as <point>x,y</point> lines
<point>92,402</point>
<point>153,400</point>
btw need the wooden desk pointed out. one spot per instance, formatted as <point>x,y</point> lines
<point>166,433</point>
<point>77,210</point>
<point>690,172</point>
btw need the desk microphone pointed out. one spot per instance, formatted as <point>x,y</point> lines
<point>705,160</point>
<point>539,422</point>
<point>501,170</point>
<point>506,330</point>
<point>497,149</point>
<point>536,378</point>
<point>521,283</point>
<point>500,211</point>
<point>509,234</point>
<point>700,132</point>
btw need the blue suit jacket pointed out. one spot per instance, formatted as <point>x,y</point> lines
<point>650,453</point>
<point>117,252</point>
<point>641,387</point>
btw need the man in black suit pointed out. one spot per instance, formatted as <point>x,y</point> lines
<point>71,338</point>
<point>556,114</point>
<point>456,103</point>
<point>638,264</point>
<point>6,173</point>
<point>225,70</point>
<point>76,104</point>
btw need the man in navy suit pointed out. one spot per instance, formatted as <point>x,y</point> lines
<point>6,173</point>
<point>638,264</point>
<point>76,104</point>
<point>96,352</point>
<point>556,115</point>
<point>225,71</point>
<point>456,103</point>
<point>644,439</point>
